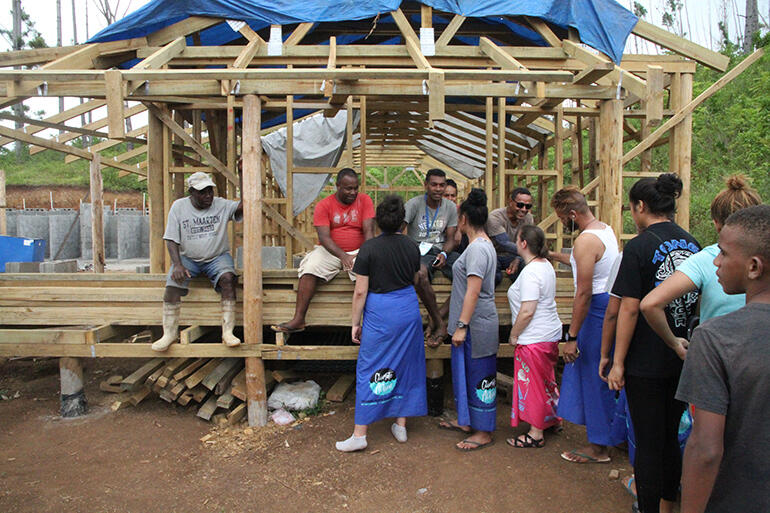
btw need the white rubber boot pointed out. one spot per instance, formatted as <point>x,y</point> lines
<point>228,323</point>
<point>170,326</point>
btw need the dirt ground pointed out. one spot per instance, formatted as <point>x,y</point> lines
<point>150,458</point>
<point>65,197</point>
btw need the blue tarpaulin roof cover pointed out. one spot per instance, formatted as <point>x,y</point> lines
<point>602,24</point>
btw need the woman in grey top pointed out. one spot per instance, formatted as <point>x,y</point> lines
<point>473,324</point>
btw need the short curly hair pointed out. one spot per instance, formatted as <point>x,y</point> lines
<point>754,222</point>
<point>569,198</point>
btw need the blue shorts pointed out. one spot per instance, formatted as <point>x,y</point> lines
<point>213,269</point>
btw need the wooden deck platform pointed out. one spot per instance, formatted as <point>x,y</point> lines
<point>88,315</point>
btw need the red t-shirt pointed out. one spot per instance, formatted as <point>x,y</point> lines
<point>345,222</point>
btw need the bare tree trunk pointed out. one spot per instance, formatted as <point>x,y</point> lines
<point>18,109</point>
<point>752,25</point>
<point>83,138</point>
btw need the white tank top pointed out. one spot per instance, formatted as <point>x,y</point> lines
<point>602,268</point>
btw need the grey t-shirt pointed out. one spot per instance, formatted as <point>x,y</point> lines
<point>417,224</point>
<point>479,259</point>
<point>727,372</point>
<point>201,234</point>
<point>498,223</point>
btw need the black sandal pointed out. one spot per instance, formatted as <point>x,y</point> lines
<point>527,443</point>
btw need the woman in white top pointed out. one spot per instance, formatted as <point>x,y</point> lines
<point>585,398</point>
<point>535,333</point>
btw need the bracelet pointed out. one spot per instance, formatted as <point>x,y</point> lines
<point>443,253</point>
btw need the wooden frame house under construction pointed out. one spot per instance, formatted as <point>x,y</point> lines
<point>541,115</point>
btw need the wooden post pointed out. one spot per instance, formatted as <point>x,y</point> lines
<point>611,164</point>
<point>252,261</point>
<point>97,214</point>
<point>362,147</point>
<point>73,398</point>
<point>684,153</point>
<point>3,222</point>
<point>501,185</point>
<point>558,145</point>
<point>290,177</point>
<point>674,104</point>
<point>489,172</point>
<point>155,192</point>
<point>167,183</point>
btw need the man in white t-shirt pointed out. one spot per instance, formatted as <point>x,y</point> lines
<point>196,239</point>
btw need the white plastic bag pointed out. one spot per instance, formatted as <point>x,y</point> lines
<point>295,396</point>
<point>282,417</point>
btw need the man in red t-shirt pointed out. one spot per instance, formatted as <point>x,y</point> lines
<point>343,221</point>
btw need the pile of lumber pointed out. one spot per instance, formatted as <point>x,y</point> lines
<point>214,387</point>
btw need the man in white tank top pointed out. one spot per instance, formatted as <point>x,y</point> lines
<point>585,398</point>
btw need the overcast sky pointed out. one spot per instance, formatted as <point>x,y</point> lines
<point>699,22</point>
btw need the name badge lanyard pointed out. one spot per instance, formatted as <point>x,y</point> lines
<point>430,222</point>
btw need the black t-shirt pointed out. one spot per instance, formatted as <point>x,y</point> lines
<point>648,259</point>
<point>389,260</point>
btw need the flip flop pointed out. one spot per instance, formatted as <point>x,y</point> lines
<point>586,457</point>
<point>527,443</point>
<point>627,486</point>
<point>445,424</point>
<point>282,328</point>
<point>476,445</point>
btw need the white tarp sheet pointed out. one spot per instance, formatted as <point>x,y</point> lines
<point>318,142</point>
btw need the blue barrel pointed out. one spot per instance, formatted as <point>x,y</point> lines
<point>20,249</point>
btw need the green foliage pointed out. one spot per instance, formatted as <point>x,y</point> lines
<point>48,168</point>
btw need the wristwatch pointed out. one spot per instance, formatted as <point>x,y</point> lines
<point>461,325</point>
<point>569,338</point>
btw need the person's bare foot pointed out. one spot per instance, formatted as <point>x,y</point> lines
<point>591,453</point>
<point>454,426</point>
<point>476,441</point>
<point>291,326</point>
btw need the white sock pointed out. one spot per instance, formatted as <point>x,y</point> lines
<point>354,443</point>
<point>399,432</point>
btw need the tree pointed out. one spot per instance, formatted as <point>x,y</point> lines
<point>672,16</point>
<point>22,34</point>
<point>752,26</point>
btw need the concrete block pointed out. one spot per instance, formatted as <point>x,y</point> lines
<point>11,221</point>
<point>33,224</point>
<point>129,229</point>
<point>273,257</point>
<point>64,234</point>
<point>145,234</point>
<point>22,267</point>
<point>110,239</point>
<point>143,268</point>
<point>59,266</point>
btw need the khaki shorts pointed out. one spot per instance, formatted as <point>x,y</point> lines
<point>323,264</point>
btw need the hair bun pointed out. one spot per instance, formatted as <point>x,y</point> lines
<point>669,184</point>
<point>477,197</point>
<point>737,182</point>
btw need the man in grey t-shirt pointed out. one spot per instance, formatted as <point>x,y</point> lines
<point>196,238</point>
<point>726,377</point>
<point>431,221</point>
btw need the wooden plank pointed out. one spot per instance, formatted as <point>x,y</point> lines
<point>299,32</point>
<point>653,101</point>
<point>193,333</point>
<point>198,376</point>
<point>238,388</point>
<point>497,54</point>
<point>209,407</point>
<point>339,391</point>
<point>687,109</point>
<point>136,378</point>
<point>681,46</point>
<point>113,79</point>
<point>139,395</point>
<point>631,82</point>
<point>153,378</point>
<point>285,375</point>
<point>182,28</point>
<point>286,225</point>
<point>155,193</point>
<point>237,414</point>
<point>42,336</point>
<point>189,369</point>
<point>226,400</point>
<point>248,53</point>
<point>450,31</point>
<point>544,30</point>
<point>195,145</point>
<point>162,55</point>
<point>18,135</point>
<point>219,372</point>
<point>111,384</point>
<point>225,382</point>
<point>97,214</point>
<point>610,164</point>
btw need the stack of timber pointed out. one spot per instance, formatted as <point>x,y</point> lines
<point>215,388</point>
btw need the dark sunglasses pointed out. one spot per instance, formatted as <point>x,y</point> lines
<point>528,206</point>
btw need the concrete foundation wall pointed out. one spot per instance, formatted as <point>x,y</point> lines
<point>64,234</point>
<point>33,224</point>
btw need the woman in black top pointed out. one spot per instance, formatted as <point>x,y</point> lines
<point>390,372</point>
<point>643,363</point>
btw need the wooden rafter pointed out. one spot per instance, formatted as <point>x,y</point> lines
<point>299,33</point>
<point>450,30</point>
<point>681,46</point>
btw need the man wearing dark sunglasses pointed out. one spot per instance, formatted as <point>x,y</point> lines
<point>502,227</point>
